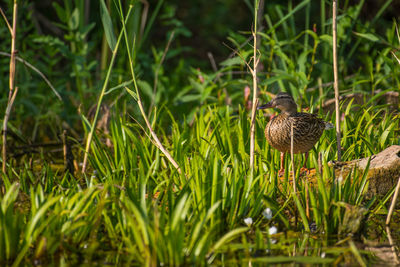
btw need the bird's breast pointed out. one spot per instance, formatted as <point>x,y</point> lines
<point>307,129</point>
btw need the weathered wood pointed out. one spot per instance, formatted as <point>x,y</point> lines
<point>383,172</point>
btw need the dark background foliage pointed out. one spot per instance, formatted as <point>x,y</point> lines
<point>65,41</point>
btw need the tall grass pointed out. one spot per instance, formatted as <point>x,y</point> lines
<point>134,207</point>
<point>137,204</point>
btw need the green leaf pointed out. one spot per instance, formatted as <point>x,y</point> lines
<point>73,22</point>
<point>145,88</point>
<point>60,12</point>
<point>132,93</point>
<point>326,38</point>
<point>107,24</point>
<point>232,61</point>
<point>190,98</point>
<point>368,36</point>
<point>228,237</point>
<point>124,84</point>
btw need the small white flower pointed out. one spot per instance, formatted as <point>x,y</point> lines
<point>248,221</point>
<point>323,255</point>
<point>267,213</point>
<point>273,241</point>
<point>272,230</point>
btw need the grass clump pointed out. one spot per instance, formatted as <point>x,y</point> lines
<point>133,205</point>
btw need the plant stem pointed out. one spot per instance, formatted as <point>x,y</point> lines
<point>12,93</point>
<point>292,158</point>
<point>157,141</point>
<point>336,82</point>
<point>29,65</point>
<point>254,102</point>
<point>396,194</point>
<point>103,90</point>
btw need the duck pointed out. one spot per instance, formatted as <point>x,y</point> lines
<point>307,127</point>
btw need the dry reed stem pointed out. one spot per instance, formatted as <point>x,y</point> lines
<point>306,197</point>
<point>396,194</point>
<point>336,82</point>
<point>29,65</point>
<point>292,157</point>
<point>398,60</point>
<point>254,102</point>
<point>392,245</point>
<point>99,101</point>
<point>153,134</point>
<point>5,19</point>
<point>5,128</point>
<point>12,90</point>
<point>13,51</point>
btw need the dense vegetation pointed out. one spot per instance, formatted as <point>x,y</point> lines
<point>186,62</point>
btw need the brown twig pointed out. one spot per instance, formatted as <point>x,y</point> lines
<point>6,20</point>
<point>5,122</point>
<point>396,194</point>
<point>241,57</point>
<point>13,90</point>
<point>292,157</point>
<point>153,134</point>
<point>26,63</point>
<point>392,245</point>
<point>13,50</point>
<point>336,82</point>
<point>138,100</point>
<point>99,101</point>
<point>254,102</point>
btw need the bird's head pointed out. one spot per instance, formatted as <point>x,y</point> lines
<point>283,102</point>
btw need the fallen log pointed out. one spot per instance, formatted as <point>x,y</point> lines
<point>383,172</point>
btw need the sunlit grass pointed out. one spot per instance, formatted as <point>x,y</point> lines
<point>137,204</point>
<point>134,205</point>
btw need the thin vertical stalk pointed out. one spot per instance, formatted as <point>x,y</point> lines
<point>392,245</point>
<point>335,81</point>
<point>292,158</point>
<point>157,141</point>
<point>13,91</point>
<point>395,196</point>
<point>103,90</point>
<point>254,102</point>
<point>5,127</point>
<point>13,52</point>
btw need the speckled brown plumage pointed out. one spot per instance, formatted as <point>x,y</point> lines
<point>307,128</point>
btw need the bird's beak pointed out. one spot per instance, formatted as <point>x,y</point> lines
<point>268,105</point>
